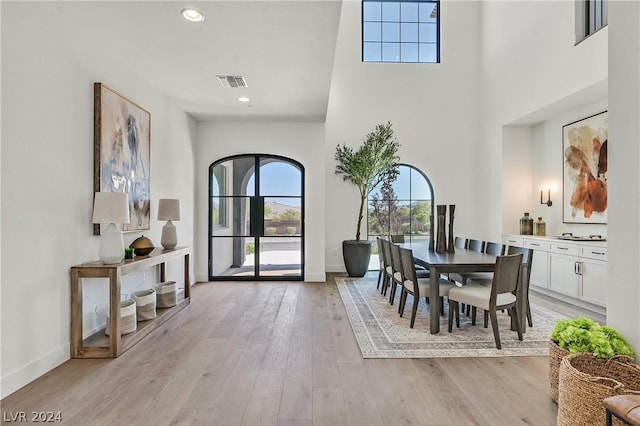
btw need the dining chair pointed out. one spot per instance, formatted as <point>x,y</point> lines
<point>421,270</point>
<point>381,267</point>
<point>485,278</point>
<point>496,249</point>
<point>388,269</point>
<point>500,295</point>
<point>396,265</point>
<point>418,287</point>
<point>460,242</point>
<point>525,276</point>
<point>397,238</point>
<point>476,245</point>
<point>523,286</point>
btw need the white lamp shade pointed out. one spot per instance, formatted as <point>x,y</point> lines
<point>168,209</point>
<point>111,207</point>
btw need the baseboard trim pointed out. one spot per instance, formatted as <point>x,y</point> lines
<point>335,268</point>
<point>312,278</point>
<point>33,370</point>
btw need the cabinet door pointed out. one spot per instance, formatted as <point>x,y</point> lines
<point>594,281</point>
<point>540,269</point>
<point>562,274</point>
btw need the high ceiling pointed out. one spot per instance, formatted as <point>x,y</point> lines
<point>284,49</point>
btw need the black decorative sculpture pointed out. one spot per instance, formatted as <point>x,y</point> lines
<point>441,240</point>
<point>451,246</point>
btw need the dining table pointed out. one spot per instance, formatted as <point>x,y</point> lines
<point>460,261</point>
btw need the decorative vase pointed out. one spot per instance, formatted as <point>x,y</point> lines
<point>450,245</point>
<point>526,225</point>
<point>431,233</point>
<point>539,227</point>
<point>441,240</point>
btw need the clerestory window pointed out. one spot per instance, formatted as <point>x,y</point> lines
<point>400,31</point>
<point>591,15</point>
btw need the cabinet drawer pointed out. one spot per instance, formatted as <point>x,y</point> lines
<point>569,249</point>
<point>513,241</point>
<point>537,244</point>
<point>595,253</point>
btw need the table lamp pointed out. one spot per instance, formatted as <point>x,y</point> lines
<point>111,208</point>
<point>169,209</point>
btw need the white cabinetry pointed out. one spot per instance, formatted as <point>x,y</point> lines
<point>575,272</point>
<point>539,263</point>
<point>564,269</point>
<point>593,270</point>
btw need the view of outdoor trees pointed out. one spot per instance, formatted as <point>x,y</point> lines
<point>390,215</point>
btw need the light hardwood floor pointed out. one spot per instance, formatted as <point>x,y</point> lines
<point>282,353</point>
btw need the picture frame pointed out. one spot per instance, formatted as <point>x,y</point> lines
<point>585,166</point>
<point>122,151</point>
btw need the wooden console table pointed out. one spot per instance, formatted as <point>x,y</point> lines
<point>99,345</point>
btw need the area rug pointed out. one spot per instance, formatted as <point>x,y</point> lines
<point>382,333</point>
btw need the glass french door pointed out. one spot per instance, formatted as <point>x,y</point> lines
<point>256,218</point>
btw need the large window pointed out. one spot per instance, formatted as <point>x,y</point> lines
<point>591,15</point>
<point>400,31</point>
<point>403,208</point>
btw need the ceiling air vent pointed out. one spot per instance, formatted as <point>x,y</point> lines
<point>232,81</point>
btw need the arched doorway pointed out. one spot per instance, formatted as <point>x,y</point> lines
<point>256,218</point>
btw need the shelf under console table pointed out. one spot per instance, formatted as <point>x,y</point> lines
<point>99,345</point>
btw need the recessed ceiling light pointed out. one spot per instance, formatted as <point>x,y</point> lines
<point>244,99</point>
<point>192,15</point>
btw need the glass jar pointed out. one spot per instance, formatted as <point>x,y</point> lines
<point>526,225</point>
<point>539,227</point>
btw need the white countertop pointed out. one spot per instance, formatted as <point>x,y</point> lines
<point>555,239</point>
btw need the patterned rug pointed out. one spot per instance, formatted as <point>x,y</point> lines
<point>382,333</point>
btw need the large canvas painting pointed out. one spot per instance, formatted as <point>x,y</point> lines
<point>122,139</point>
<point>585,170</point>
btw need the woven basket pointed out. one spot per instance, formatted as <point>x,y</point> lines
<point>556,353</point>
<point>586,380</point>
<point>145,304</point>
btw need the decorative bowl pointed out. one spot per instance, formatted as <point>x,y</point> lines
<point>142,246</point>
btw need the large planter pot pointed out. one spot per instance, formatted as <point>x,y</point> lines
<point>356,255</point>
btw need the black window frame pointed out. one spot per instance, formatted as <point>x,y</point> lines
<point>400,61</point>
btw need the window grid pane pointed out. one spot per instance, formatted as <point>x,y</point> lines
<point>403,207</point>
<point>400,31</point>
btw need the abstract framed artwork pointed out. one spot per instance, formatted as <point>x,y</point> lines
<point>585,170</point>
<point>122,148</point>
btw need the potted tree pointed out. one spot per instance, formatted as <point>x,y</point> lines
<point>374,162</point>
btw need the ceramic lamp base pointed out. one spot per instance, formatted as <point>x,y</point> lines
<point>169,239</point>
<point>111,245</point>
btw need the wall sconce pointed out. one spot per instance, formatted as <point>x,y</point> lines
<point>548,202</point>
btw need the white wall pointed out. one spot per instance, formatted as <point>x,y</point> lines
<point>47,184</point>
<point>433,109</point>
<point>623,297</point>
<point>531,72</point>
<point>548,163</point>
<point>303,142</point>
